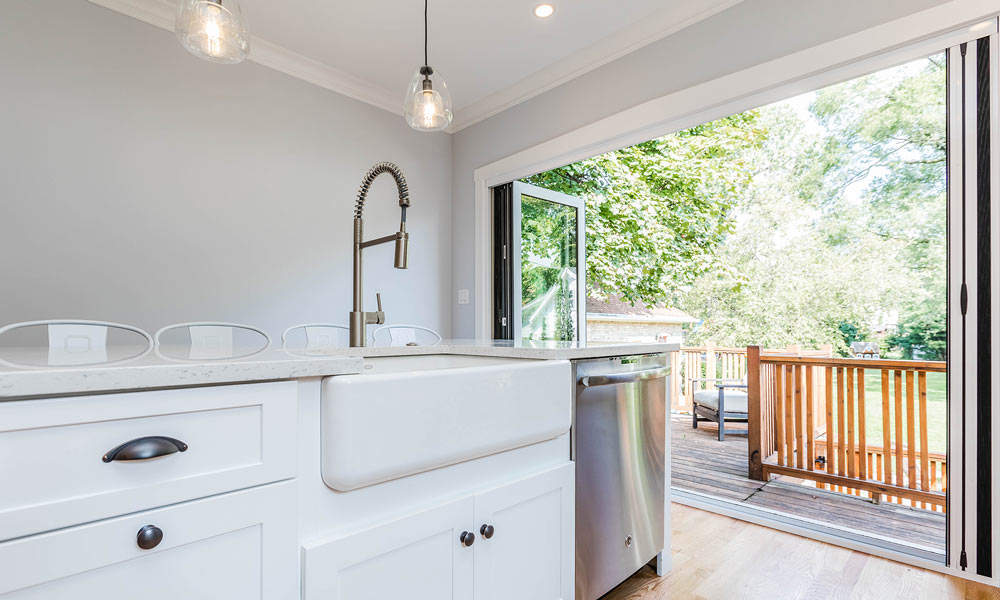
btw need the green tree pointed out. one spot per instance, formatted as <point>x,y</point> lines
<point>787,224</point>
<point>844,222</point>
<point>779,280</point>
<point>657,211</point>
<point>887,139</point>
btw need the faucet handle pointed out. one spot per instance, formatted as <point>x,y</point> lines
<point>379,316</point>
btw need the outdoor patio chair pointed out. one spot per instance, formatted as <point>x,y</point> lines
<point>728,402</point>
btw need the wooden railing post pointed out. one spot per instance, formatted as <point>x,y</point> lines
<point>756,427</point>
<point>676,399</point>
<point>689,373</point>
<point>710,366</point>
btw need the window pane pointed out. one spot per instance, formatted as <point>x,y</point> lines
<point>548,270</point>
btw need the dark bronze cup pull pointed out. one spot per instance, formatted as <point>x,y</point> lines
<point>145,448</point>
<point>149,537</point>
<point>486,531</point>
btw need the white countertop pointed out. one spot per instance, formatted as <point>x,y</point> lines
<point>26,372</point>
<point>505,349</point>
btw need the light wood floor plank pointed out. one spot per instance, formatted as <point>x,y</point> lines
<point>719,558</point>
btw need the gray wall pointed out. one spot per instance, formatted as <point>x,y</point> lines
<point>750,33</point>
<point>140,184</point>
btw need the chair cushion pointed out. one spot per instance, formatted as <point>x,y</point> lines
<point>736,401</point>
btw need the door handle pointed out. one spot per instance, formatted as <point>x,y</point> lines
<point>145,448</point>
<point>619,378</point>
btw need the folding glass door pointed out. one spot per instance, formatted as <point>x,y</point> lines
<point>973,327</point>
<point>539,264</point>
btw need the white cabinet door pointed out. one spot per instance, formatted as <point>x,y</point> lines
<point>531,551</point>
<point>235,546</point>
<point>418,557</point>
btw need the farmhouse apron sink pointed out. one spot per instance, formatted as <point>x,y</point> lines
<point>409,414</point>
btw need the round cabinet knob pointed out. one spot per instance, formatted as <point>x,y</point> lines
<point>149,537</point>
<point>467,538</point>
<point>486,531</point>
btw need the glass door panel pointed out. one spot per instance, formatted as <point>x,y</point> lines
<point>549,265</point>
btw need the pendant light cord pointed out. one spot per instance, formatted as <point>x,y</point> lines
<point>425,32</point>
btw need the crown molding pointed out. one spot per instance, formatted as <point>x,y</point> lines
<point>160,13</point>
<point>680,15</point>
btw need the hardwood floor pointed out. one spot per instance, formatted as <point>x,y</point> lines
<point>701,463</point>
<point>719,558</point>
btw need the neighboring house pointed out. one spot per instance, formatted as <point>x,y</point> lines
<point>865,349</point>
<point>615,320</point>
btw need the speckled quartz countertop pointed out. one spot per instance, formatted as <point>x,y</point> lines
<point>30,372</point>
<point>509,349</point>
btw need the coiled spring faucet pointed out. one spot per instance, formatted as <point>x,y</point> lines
<point>360,319</point>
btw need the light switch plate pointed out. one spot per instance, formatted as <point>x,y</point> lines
<point>463,296</point>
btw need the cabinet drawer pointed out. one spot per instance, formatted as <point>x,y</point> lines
<point>239,545</point>
<point>53,471</point>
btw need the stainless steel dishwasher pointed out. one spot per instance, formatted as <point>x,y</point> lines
<point>619,445</point>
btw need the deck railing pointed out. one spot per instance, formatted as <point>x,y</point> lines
<point>715,362</point>
<point>808,419</point>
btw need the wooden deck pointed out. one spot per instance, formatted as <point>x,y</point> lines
<point>700,463</point>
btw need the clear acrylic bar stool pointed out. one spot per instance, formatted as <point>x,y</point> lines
<point>210,341</point>
<point>405,335</point>
<point>72,342</point>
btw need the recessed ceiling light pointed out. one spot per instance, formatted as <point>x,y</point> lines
<point>544,10</point>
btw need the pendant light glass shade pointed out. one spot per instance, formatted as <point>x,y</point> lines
<point>427,104</point>
<point>214,30</point>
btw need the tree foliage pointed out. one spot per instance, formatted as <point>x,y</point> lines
<point>844,225</point>
<point>798,223</point>
<point>657,211</point>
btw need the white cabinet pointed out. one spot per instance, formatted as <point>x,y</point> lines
<point>414,557</point>
<point>530,551</point>
<point>529,555</point>
<point>234,546</point>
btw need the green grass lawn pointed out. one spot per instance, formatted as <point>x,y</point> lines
<point>936,409</point>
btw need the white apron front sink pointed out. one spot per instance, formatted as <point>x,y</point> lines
<point>409,414</point>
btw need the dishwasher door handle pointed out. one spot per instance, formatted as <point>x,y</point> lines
<point>619,378</point>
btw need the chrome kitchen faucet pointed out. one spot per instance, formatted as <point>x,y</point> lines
<point>360,319</point>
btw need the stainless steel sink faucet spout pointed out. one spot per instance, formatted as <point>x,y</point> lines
<point>359,318</point>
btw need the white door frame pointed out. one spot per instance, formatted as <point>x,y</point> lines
<point>880,47</point>
<point>519,187</point>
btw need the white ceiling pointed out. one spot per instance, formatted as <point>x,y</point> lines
<point>492,53</point>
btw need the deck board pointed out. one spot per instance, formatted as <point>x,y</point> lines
<point>700,463</point>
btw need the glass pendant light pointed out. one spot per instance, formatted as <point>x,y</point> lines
<point>214,30</point>
<point>427,104</point>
